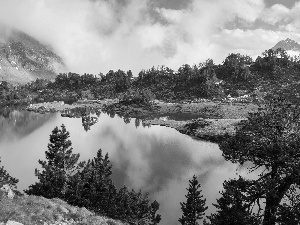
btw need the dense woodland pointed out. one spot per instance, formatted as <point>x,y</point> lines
<point>274,72</point>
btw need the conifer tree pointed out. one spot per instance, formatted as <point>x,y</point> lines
<point>269,139</point>
<point>93,186</point>
<point>154,218</point>
<point>5,178</point>
<point>135,208</point>
<point>194,207</point>
<point>232,206</point>
<point>58,168</point>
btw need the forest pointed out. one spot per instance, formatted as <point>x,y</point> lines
<point>274,72</point>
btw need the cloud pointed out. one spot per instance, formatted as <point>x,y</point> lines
<point>294,23</point>
<point>98,35</point>
<point>193,30</point>
<point>276,14</point>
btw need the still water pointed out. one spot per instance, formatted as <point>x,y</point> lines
<point>156,159</point>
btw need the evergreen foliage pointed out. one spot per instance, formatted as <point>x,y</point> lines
<point>89,184</point>
<point>194,207</point>
<point>270,139</point>
<point>232,207</point>
<point>132,206</point>
<point>58,168</point>
<point>5,178</point>
<point>92,186</point>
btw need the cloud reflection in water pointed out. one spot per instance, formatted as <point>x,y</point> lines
<point>158,160</point>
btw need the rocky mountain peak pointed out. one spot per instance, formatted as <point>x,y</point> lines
<point>24,59</point>
<point>288,45</point>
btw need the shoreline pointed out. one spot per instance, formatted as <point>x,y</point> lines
<point>207,121</point>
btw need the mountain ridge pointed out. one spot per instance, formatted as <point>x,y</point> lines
<point>288,45</point>
<point>24,59</point>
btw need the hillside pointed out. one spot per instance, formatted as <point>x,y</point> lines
<point>35,210</point>
<point>291,46</point>
<point>24,59</point>
<point>287,44</point>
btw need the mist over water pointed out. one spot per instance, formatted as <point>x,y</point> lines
<point>158,160</point>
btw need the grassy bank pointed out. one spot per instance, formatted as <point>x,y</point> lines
<point>34,210</point>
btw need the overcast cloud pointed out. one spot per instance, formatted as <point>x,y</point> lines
<point>98,35</point>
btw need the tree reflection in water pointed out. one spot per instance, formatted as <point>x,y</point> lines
<point>88,121</point>
<point>86,114</point>
<point>89,116</point>
<point>137,122</point>
<point>126,119</point>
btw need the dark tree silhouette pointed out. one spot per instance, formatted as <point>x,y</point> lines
<point>58,168</point>
<point>232,207</point>
<point>92,185</point>
<point>5,178</point>
<point>194,207</point>
<point>270,139</point>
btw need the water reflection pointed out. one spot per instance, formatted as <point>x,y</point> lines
<point>137,122</point>
<point>159,160</point>
<point>86,114</point>
<point>15,124</point>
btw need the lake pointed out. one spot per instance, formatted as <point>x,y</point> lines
<point>158,160</point>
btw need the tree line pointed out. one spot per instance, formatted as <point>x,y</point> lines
<point>274,72</point>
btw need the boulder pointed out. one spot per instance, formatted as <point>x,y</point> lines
<point>8,191</point>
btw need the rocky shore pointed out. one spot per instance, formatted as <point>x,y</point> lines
<point>211,121</point>
<point>213,130</point>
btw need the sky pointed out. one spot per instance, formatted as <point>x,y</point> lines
<point>94,36</point>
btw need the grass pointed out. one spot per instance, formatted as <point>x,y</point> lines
<point>36,210</point>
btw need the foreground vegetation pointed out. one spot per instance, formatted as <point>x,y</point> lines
<point>37,210</point>
<point>89,184</point>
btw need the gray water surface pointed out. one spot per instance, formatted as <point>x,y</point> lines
<point>158,160</point>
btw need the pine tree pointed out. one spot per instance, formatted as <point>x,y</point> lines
<point>154,218</point>
<point>269,139</point>
<point>5,178</point>
<point>194,208</point>
<point>92,186</point>
<point>135,208</point>
<point>58,168</point>
<point>232,206</point>
<point>95,186</point>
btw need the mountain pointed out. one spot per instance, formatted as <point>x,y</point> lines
<point>24,59</point>
<point>291,46</point>
<point>288,45</point>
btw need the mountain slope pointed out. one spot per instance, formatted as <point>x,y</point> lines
<point>23,59</point>
<point>291,46</point>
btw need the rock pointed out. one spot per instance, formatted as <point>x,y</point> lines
<point>8,191</point>
<point>83,211</point>
<point>63,209</point>
<point>11,222</point>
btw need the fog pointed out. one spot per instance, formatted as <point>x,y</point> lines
<point>95,36</point>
